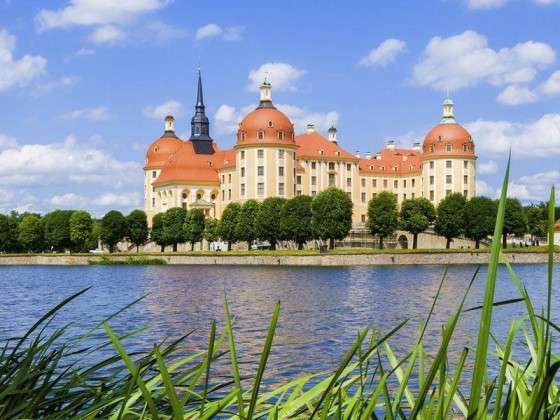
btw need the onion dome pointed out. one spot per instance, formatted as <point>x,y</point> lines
<point>266,124</point>
<point>448,138</point>
<point>163,148</point>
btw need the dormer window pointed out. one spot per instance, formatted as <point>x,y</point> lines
<point>280,135</point>
<point>270,124</point>
<point>210,163</point>
<point>431,148</point>
<point>156,149</point>
<point>465,147</point>
<point>337,153</point>
<point>439,138</point>
<point>260,135</point>
<point>321,152</point>
<point>448,147</point>
<point>243,135</point>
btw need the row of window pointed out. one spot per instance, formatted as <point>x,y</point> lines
<point>260,154</point>
<point>260,189</point>
<point>449,147</point>
<point>260,135</point>
<point>449,164</point>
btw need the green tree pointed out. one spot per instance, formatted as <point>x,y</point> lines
<point>137,227</point>
<point>246,229</point>
<point>417,215</point>
<point>332,215</point>
<point>536,222</point>
<point>80,229</point>
<point>114,229</point>
<point>295,220</point>
<point>94,236</point>
<point>228,224</point>
<point>193,228</point>
<point>479,218</point>
<point>383,218</point>
<point>515,220</point>
<point>268,219</point>
<point>173,222</point>
<point>57,230</point>
<point>449,220</point>
<point>157,233</point>
<point>9,233</point>
<point>211,230</point>
<point>30,233</point>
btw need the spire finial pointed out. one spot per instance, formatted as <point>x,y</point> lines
<point>199,96</point>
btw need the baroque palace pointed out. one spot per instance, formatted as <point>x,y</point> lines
<point>270,159</point>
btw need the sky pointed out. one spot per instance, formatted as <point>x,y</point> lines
<point>85,84</point>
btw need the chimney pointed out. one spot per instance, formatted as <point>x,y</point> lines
<point>310,128</point>
<point>169,126</point>
<point>332,134</point>
<point>390,144</point>
<point>368,155</point>
<point>357,154</point>
<point>416,146</point>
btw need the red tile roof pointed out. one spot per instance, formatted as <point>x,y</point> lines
<point>314,146</point>
<point>392,162</point>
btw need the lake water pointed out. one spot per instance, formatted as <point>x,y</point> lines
<point>322,308</point>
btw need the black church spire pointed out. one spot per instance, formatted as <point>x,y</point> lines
<point>200,126</point>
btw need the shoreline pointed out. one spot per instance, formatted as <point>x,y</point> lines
<point>342,259</point>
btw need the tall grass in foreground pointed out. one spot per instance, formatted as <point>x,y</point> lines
<point>40,375</point>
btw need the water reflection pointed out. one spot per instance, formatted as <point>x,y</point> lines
<point>322,308</point>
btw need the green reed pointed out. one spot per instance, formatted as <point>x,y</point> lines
<point>41,374</point>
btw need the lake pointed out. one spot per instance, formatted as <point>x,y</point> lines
<point>322,308</point>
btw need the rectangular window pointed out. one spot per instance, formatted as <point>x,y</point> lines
<point>413,182</point>
<point>447,192</point>
<point>223,179</point>
<point>465,193</point>
<point>448,164</point>
<point>348,166</point>
<point>396,184</point>
<point>363,218</point>
<point>348,182</point>
<point>153,203</point>
<point>448,179</point>
<point>374,183</point>
<point>313,180</point>
<point>280,171</point>
<point>298,192</point>
<point>242,190</point>
<point>431,164</point>
<point>281,154</point>
<point>465,179</point>
<point>313,165</point>
<point>431,196</point>
<point>331,166</point>
<point>223,195</point>
<point>363,197</point>
<point>229,194</point>
<point>404,196</point>
<point>229,178</point>
<point>349,194</point>
<point>385,182</point>
<point>242,154</point>
<point>242,172</point>
<point>431,180</point>
<point>404,183</point>
<point>260,153</point>
<point>363,182</point>
<point>331,180</point>
<point>260,170</point>
<point>154,174</point>
<point>298,179</point>
<point>413,195</point>
<point>280,188</point>
<point>313,193</point>
<point>260,189</point>
<point>465,164</point>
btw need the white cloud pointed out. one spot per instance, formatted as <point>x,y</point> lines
<point>552,85</point>
<point>484,189</point>
<point>485,4</point>
<point>108,34</point>
<point>110,199</point>
<point>301,117</point>
<point>535,187</point>
<point>282,76</point>
<point>100,113</point>
<point>96,12</point>
<point>466,60</point>
<point>171,107</point>
<point>209,31</point>
<point>16,199</point>
<point>213,30</point>
<point>7,142</point>
<point>385,53</point>
<point>487,168</point>
<point>69,201</point>
<point>55,84</point>
<point>517,95</point>
<point>64,163</point>
<point>540,138</point>
<point>159,32</point>
<point>17,73</point>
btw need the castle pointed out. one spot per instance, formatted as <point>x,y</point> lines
<point>270,159</point>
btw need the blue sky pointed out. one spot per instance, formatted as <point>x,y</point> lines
<point>84,84</point>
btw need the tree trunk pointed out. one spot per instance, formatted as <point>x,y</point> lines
<point>477,244</point>
<point>448,243</point>
<point>162,248</point>
<point>174,247</point>
<point>249,243</point>
<point>381,242</point>
<point>414,240</point>
<point>192,246</point>
<point>229,246</point>
<point>504,240</point>
<point>331,243</point>
<point>137,249</point>
<point>273,245</point>
<point>111,247</point>
<point>300,246</point>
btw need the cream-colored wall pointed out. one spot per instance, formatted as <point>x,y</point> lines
<point>440,172</point>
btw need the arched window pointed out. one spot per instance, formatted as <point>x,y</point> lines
<point>260,135</point>
<point>280,135</point>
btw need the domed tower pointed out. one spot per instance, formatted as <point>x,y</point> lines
<point>448,159</point>
<point>157,155</point>
<point>265,152</point>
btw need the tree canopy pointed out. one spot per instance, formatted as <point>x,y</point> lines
<point>114,229</point>
<point>515,220</point>
<point>80,229</point>
<point>383,217</point>
<point>417,215</point>
<point>57,230</point>
<point>9,233</point>
<point>228,223</point>
<point>30,233</point>
<point>479,218</point>
<point>157,234</point>
<point>296,220</point>
<point>193,228</point>
<point>450,220</point>
<point>332,215</point>
<point>173,222</point>
<point>246,229</point>
<point>211,230</point>
<point>137,227</point>
<point>268,219</point>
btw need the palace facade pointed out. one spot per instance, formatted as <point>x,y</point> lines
<point>270,160</point>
